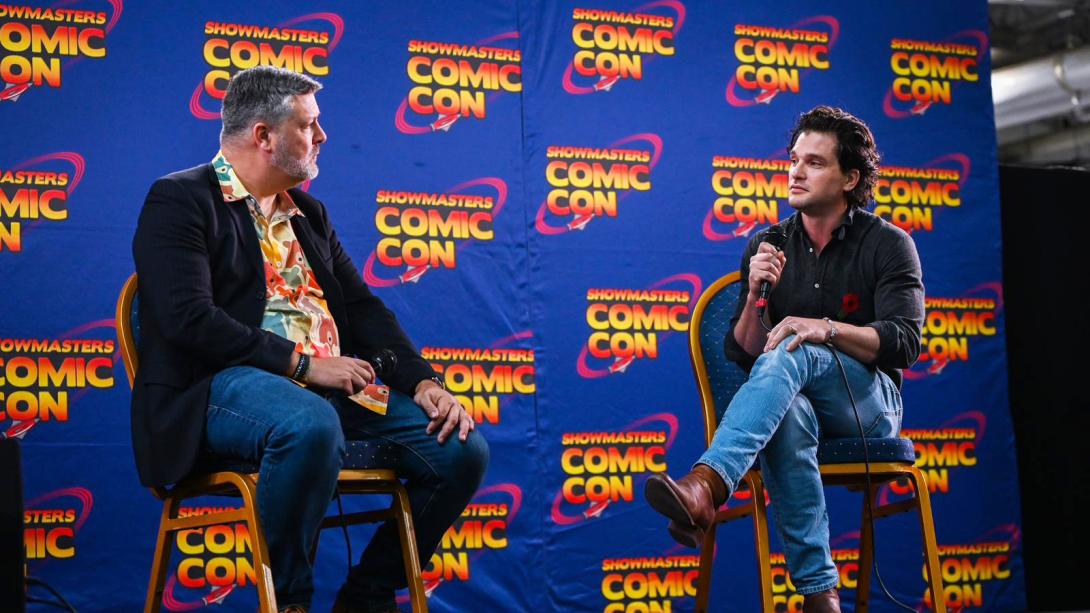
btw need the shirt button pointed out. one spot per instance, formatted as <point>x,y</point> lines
<point>817,286</point>
<point>811,249</point>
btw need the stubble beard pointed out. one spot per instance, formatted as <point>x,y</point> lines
<point>300,169</point>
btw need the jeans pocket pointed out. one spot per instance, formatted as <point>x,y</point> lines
<point>891,412</point>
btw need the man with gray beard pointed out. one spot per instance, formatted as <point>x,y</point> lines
<point>245,292</point>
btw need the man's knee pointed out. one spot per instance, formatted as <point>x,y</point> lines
<point>315,431</point>
<point>800,425</point>
<point>464,464</point>
<point>780,356</point>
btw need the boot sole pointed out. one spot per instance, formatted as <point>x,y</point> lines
<point>689,536</point>
<point>664,499</point>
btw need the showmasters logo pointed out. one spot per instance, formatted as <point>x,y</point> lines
<point>302,44</point>
<point>908,197</point>
<point>482,527</point>
<point>628,324</point>
<point>950,447</point>
<point>422,231</point>
<point>652,583</point>
<point>772,61</point>
<point>613,45</point>
<point>949,323</point>
<point>971,569</point>
<point>588,182</point>
<point>603,468</point>
<point>216,560</point>
<point>51,521</point>
<point>924,72</point>
<point>38,43</point>
<point>38,377</point>
<point>484,380</point>
<point>451,81</point>
<point>34,191</point>
<point>748,193</point>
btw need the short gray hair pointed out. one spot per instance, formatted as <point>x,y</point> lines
<point>262,93</point>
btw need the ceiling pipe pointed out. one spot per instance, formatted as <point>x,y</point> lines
<point>1056,148</point>
<point>1042,88</point>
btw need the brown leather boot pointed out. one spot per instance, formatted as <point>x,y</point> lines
<point>690,502</point>
<point>821,602</point>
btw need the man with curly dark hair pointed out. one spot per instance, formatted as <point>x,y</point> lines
<point>854,285</point>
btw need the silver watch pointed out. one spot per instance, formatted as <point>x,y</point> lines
<point>832,330</point>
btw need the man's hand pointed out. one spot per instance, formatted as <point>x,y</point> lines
<point>765,265</point>
<point>811,330</point>
<point>443,410</point>
<point>349,375</point>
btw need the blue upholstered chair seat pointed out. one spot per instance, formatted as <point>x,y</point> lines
<point>850,450</point>
<point>358,455</point>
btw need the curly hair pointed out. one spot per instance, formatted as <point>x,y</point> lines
<point>855,147</point>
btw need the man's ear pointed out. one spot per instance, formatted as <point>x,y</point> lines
<point>261,135</point>
<point>851,179</point>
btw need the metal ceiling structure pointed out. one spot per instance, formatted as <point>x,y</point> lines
<point>1041,80</point>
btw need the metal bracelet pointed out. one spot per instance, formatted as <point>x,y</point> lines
<point>832,330</point>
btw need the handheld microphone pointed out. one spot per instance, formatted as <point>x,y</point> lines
<point>384,362</point>
<point>777,238</point>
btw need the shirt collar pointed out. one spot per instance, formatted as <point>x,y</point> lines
<point>233,189</point>
<point>842,230</point>
<point>839,233</point>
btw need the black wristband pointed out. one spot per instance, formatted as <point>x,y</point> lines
<point>301,368</point>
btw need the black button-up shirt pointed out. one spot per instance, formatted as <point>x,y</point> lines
<point>868,275</point>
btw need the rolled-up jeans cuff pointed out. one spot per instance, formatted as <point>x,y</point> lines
<point>719,470</point>
<point>821,587</point>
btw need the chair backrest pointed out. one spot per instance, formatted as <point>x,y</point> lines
<point>128,326</point>
<point>717,377</point>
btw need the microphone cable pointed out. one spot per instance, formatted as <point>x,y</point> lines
<point>384,363</point>
<point>59,603</point>
<point>344,530</point>
<point>867,483</point>
<point>866,475</point>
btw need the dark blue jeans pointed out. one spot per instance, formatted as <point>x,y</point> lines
<point>298,437</point>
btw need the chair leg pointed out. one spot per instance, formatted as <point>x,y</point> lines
<point>760,541</point>
<point>866,554</point>
<point>266,593</point>
<point>409,553</point>
<point>163,548</point>
<point>930,543</point>
<point>704,579</point>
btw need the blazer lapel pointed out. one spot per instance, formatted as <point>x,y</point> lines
<point>244,224</point>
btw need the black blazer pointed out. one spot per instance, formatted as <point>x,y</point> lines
<point>201,301</point>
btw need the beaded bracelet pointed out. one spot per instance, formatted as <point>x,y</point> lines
<point>301,368</point>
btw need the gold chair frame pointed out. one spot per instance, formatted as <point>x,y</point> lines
<point>230,483</point>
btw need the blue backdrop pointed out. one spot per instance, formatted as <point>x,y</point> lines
<point>603,155</point>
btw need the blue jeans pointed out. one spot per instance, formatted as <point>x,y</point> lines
<point>792,399</point>
<point>298,437</point>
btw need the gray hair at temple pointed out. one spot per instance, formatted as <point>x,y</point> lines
<point>262,93</point>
